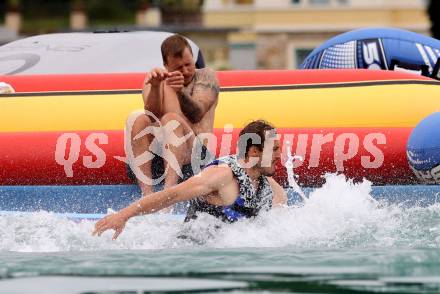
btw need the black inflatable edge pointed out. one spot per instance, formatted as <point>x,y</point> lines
<point>238,89</point>
<point>436,70</point>
<point>410,66</point>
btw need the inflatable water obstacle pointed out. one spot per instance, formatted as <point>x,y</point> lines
<point>357,122</point>
<point>378,48</point>
<point>391,49</point>
<point>423,149</point>
<point>62,135</point>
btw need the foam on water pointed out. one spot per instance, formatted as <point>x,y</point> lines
<point>340,214</point>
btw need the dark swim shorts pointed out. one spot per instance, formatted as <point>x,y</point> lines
<point>158,167</point>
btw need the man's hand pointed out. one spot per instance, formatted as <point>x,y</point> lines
<point>156,76</point>
<point>114,221</point>
<point>175,81</point>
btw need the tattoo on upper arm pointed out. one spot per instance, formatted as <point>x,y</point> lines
<point>190,103</point>
<point>207,80</point>
<point>191,111</point>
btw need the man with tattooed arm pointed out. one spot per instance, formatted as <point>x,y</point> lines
<point>183,95</point>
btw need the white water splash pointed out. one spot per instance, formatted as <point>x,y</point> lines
<point>333,216</point>
<point>290,173</point>
<point>338,215</point>
<point>47,232</point>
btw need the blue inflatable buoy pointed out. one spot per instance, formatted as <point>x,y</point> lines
<point>423,149</point>
<point>378,48</point>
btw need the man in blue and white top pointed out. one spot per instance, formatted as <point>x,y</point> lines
<point>231,188</point>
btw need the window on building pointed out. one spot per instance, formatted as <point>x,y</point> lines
<point>319,2</point>
<point>299,54</point>
<point>242,56</point>
<point>244,1</point>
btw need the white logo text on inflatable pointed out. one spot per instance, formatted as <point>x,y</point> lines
<point>345,147</point>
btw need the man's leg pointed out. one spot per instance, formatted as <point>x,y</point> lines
<point>137,122</point>
<point>177,146</point>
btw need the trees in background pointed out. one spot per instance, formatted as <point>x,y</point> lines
<point>181,11</point>
<point>43,16</point>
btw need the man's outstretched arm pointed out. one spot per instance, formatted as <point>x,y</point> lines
<point>206,183</point>
<point>203,97</point>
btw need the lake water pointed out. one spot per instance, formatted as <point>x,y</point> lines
<point>342,240</point>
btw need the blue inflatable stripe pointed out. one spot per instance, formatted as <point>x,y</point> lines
<point>93,199</point>
<point>74,216</point>
<point>92,202</point>
<point>89,216</point>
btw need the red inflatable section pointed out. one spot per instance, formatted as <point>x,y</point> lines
<point>58,158</point>
<point>90,82</point>
<point>48,158</point>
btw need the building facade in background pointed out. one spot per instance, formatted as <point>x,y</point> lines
<point>232,34</point>
<point>278,34</point>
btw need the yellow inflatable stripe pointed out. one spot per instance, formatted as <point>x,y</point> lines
<point>355,106</point>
